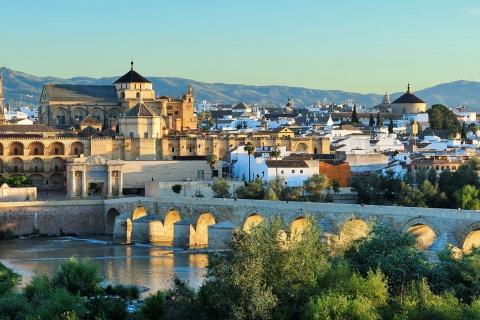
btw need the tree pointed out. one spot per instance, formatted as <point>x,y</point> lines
<point>212,160</point>
<point>420,175</point>
<point>8,279</point>
<point>78,277</point>
<point>220,188</point>
<point>463,131</point>
<point>250,148</point>
<point>474,128</point>
<point>177,188</point>
<point>254,190</point>
<point>467,198</point>
<point>441,117</point>
<point>432,175</point>
<point>393,252</point>
<point>154,306</point>
<point>371,122</point>
<point>390,126</point>
<point>457,273</point>
<point>269,273</point>
<point>348,295</point>
<point>354,115</point>
<point>378,122</point>
<point>336,185</point>
<point>314,186</point>
<point>275,153</point>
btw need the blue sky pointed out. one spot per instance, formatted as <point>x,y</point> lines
<point>369,46</point>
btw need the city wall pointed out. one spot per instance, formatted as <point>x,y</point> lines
<point>70,217</point>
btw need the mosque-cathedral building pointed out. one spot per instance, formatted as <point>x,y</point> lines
<point>123,121</point>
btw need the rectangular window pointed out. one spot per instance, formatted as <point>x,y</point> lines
<point>293,171</point>
<point>131,135</point>
<point>145,134</point>
<point>282,172</point>
<point>36,168</point>
<point>301,171</point>
<point>15,151</point>
<point>173,149</point>
<point>75,151</point>
<point>35,151</point>
<point>15,168</point>
<point>56,151</point>
<point>56,168</point>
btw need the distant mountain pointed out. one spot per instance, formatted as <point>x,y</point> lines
<point>25,89</point>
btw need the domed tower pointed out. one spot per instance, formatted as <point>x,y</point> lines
<point>130,86</point>
<point>408,103</point>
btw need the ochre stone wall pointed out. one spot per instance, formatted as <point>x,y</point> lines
<point>77,217</point>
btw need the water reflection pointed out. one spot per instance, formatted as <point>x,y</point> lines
<point>148,266</point>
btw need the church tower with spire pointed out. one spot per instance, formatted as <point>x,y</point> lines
<point>2,111</point>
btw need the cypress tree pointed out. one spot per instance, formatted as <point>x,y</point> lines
<point>390,126</point>
<point>372,121</point>
<point>379,123</point>
<point>354,115</point>
<point>463,133</point>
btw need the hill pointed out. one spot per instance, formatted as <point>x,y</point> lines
<point>25,89</point>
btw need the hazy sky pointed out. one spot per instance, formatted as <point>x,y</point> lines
<point>370,46</point>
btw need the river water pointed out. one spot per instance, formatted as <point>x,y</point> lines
<point>149,266</point>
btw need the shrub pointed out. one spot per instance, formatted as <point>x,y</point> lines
<point>78,277</point>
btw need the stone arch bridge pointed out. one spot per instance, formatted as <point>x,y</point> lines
<point>200,221</point>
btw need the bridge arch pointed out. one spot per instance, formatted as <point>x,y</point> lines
<point>201,233</point>
<point>139,212</point>
<point>298,226</point>
<point>471,237</point>
<point>353,229</point>
<point>252,221</point>
<point>171,217</point>
<point>112,214</point>
<point>424,231</point>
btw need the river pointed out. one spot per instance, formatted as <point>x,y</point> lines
<point>148,266</point>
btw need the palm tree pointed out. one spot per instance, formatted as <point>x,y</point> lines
<point>250,148</point>
<point>275,153</point>
<point>212,160</point>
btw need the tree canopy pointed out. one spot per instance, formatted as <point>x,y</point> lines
<point>441,117</point>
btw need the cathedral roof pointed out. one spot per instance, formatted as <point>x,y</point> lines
<point>241,106</point>
<point>88,132</point>
<point>90,121</point>
<point>131,76</point>
<point>408,97</point>
<point>109,133</point>
<point>75,92</point>
<point>141,110</point>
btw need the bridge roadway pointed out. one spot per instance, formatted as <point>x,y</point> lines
<point>161,218</point>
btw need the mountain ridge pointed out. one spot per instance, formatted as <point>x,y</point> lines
<point>19,87</point>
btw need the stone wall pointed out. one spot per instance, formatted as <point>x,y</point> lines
<point>8,194</point>
<point>77,217</point>
<point>159,189</point>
